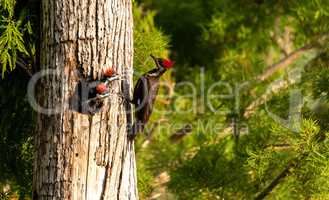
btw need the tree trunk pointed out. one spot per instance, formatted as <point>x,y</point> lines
<point>81,156</point>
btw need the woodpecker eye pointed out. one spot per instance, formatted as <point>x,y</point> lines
<point>109,72</point>
<point>167,63</point>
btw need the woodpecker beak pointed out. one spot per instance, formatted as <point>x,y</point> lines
<point>98,97</point>
<point>153,57</point>
<point>156,61</point>
<point>114,77</point>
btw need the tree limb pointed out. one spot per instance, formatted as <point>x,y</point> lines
<point>285,62</point>
<point>280,85</point>
<point>176,137</point>
<point>276,181</point>
<point>292,164</point>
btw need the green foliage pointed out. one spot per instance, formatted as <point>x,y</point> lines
<point>8,6</point>
<point>16,133</point>
<point>147,39</point>
<point>17,119</point>
<point>11,41</point>
<point>219,171</point>
<point>11,36</point>
<point>145,179</point>
<point>235,41</point>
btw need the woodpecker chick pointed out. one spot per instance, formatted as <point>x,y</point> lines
<point>101,88</point>
<point>145,92</point>
<point>108,75</point>
<point>109,72</point>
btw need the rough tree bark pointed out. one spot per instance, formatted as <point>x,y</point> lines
<point>79,156</point>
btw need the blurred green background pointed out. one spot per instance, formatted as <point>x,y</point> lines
<point>263,143</point>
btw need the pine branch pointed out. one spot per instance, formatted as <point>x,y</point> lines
<point>276,181</point>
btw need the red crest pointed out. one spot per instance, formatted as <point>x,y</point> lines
<point>101,88</point>
<point>109,72</point>
<point>167,63</point>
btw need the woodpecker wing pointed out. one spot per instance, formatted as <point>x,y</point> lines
<point>145,93</point>
<point>153,83</point>
<point>140,91</point>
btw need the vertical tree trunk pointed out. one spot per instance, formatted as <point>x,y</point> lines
<point>79,156</point>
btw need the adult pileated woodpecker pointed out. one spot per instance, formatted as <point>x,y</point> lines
<point>145,93</point>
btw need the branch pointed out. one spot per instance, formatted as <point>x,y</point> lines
<point>277,87</point>
<point>280,85</point>
<point>24,66</point>
<point>282,64</point>
<point>292,164</point>
<point>251,108</point>
<point>21,64</point>
<point>276,181</point>
<point>176,137</point>
<point>285,62</point>
<point>283,84</point>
